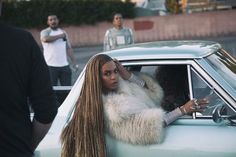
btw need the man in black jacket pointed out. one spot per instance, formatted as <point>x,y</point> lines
<point>24,77</point>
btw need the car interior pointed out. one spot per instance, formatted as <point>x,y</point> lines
<point>172,78</point>
<point>175,81</point>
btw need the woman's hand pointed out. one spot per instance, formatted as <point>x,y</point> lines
<point>125,74</point>
<point>194,106</point>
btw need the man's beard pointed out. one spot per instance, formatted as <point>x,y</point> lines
<point>54,27</point>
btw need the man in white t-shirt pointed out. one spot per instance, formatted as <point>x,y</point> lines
<point>56,47</point>
<point>118,35</point>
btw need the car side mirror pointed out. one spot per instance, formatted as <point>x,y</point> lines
<point>219,117</point>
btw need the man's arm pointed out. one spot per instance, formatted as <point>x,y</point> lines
<point>53,38</point>
<point>41,96</point>
<point>39,130</point>
<point>46,37</point>
<point>70,52</point>
<point>131,36</point>
<point>106,45</point>
<point>71,55</point>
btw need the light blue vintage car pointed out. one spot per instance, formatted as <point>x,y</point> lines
<point>208,71</point>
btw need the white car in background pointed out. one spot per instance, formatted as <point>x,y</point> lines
<point>210,72</point>
<point>154,5</point>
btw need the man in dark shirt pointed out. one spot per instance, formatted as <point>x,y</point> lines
<point>24,77</point>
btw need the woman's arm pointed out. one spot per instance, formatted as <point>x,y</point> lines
<point>126,75</point>
<point>188,108</point>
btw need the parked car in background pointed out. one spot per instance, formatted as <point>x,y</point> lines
<point>207,71</point>
<point>207,5</point>
<point>225,4</point>
<point>153,5</point>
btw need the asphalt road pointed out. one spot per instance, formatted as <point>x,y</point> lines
<point>83,54</point>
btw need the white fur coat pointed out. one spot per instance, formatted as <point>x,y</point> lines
<point>133,114</point>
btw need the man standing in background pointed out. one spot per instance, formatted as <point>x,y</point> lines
<point>118,35</point>
<point>56,46</point>
<point>24,76</point>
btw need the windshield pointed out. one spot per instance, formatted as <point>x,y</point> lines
<point>225,65</point>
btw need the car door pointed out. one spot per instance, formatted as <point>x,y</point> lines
<point>193,135</point>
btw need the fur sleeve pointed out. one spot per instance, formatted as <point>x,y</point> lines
<point>154,89</point>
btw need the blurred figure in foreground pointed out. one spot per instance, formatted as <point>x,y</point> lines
<point>24,76</point>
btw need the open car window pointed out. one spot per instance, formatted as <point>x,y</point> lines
<point>172,78</point>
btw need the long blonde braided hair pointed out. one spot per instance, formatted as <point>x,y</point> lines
<point>84,134</point>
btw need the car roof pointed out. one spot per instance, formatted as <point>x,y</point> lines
<point>182,49</point>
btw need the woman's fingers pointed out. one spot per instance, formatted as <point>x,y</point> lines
<point>124,73</point>
<point>199,105</point>
<point>196,105</point>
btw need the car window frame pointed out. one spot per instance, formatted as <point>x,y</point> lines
<point>163,62</point>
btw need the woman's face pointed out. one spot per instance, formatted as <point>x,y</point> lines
<point>117,20</point>
<point>110,75</point>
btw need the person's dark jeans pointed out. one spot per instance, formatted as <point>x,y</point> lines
<point>61,74</point>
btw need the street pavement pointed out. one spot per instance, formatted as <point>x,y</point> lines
<point>83,54</point>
